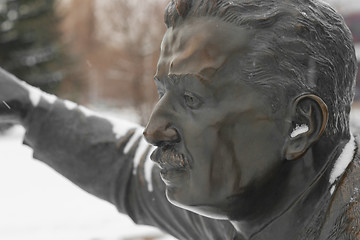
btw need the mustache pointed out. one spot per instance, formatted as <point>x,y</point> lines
<point>169,158</point>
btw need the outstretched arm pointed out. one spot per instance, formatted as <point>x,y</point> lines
<point>90,150</point>
<point>15,99</point>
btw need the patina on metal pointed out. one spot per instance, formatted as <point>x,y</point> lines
<point>251,127</point>
<point>236,79</point>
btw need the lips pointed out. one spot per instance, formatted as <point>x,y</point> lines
<point>169,159</point>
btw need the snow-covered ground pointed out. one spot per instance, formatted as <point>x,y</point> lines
<point>36,203</point>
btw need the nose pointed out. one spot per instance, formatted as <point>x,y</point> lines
<point>159,135</point>
<point>160,129</point>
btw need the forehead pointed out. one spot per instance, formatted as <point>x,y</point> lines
<point>198,45</point>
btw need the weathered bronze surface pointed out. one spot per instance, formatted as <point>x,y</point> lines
<point>251,127</point>
<point>235,78</point>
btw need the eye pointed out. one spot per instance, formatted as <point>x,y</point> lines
<point>191,100</point>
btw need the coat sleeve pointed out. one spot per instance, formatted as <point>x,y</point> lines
<point>110,159</point>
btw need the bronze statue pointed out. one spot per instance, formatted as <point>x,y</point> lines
<point>251,127</point>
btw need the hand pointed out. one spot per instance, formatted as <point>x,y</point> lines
<point>15,100</point>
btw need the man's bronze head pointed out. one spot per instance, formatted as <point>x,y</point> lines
<point>245,86</point>
<point>298,46</point>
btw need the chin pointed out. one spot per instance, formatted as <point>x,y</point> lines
<point>204,209</point>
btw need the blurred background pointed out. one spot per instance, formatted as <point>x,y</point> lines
<point>99,53</point>
<point>96,52</point>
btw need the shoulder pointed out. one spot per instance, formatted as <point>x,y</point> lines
<point>345,204</point>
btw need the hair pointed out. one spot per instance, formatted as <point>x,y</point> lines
<point>299,46</point>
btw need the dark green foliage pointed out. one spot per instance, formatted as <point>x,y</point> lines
<point>30,44</point>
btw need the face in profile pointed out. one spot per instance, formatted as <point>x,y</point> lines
<point>218,139</point>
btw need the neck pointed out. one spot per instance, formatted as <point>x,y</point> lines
<point>311,200</point>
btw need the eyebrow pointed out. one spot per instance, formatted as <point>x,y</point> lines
<point>175,78</point>
<point>202,78</point>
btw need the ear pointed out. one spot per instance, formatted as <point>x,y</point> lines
<point>309,115</point>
